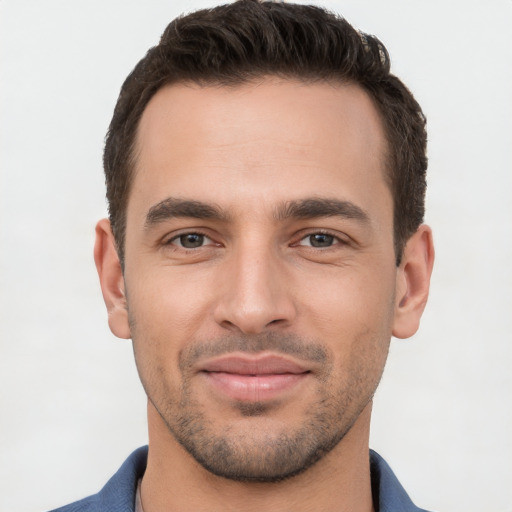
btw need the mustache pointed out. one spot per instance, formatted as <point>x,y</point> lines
<point>286,344</point>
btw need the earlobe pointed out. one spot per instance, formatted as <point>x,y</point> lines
<point>413,282</point>
<point>111,279</point>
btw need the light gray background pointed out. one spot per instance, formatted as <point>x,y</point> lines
<point>70,402</point>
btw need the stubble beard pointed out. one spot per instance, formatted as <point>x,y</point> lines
<point>275,454</point>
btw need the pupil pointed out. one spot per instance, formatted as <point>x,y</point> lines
<point>192,240</point>
<point>321,240</point>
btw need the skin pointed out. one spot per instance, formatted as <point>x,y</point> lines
<point>290,227</point>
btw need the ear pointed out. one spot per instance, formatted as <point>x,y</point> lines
<point>413,282</point>
<point>111,279</point>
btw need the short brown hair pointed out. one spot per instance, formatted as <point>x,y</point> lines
<point>235,43</point>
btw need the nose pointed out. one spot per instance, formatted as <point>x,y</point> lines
<point>255,293</point>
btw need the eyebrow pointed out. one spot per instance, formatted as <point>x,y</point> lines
<point>312,208</point>
<point>309,208</point>
<point>175,208</point>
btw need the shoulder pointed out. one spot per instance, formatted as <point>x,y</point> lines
<point>118,494</point>
<point>388,493</point>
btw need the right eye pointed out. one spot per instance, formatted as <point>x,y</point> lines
<point>190,240</point>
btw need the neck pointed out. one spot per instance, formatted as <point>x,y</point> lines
<point>340,481</point>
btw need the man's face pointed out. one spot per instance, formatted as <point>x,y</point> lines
<point>260,272</point>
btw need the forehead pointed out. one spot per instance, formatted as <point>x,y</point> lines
<point>220,143</point>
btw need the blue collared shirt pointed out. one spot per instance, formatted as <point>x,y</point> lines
<point>118,495</point>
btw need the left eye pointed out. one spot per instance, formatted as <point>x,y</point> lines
<point>318,240</point>
<point>190,240</point>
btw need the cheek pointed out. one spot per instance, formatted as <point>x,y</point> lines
<point>349,302</point>
<point>352,314</point>
<point>167,310</point>
<point>168,302</point>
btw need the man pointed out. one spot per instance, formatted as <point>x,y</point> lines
<point>266,178</point>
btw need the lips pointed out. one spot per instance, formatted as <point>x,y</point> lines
<point>263,365</point>
<point>259,378</point>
